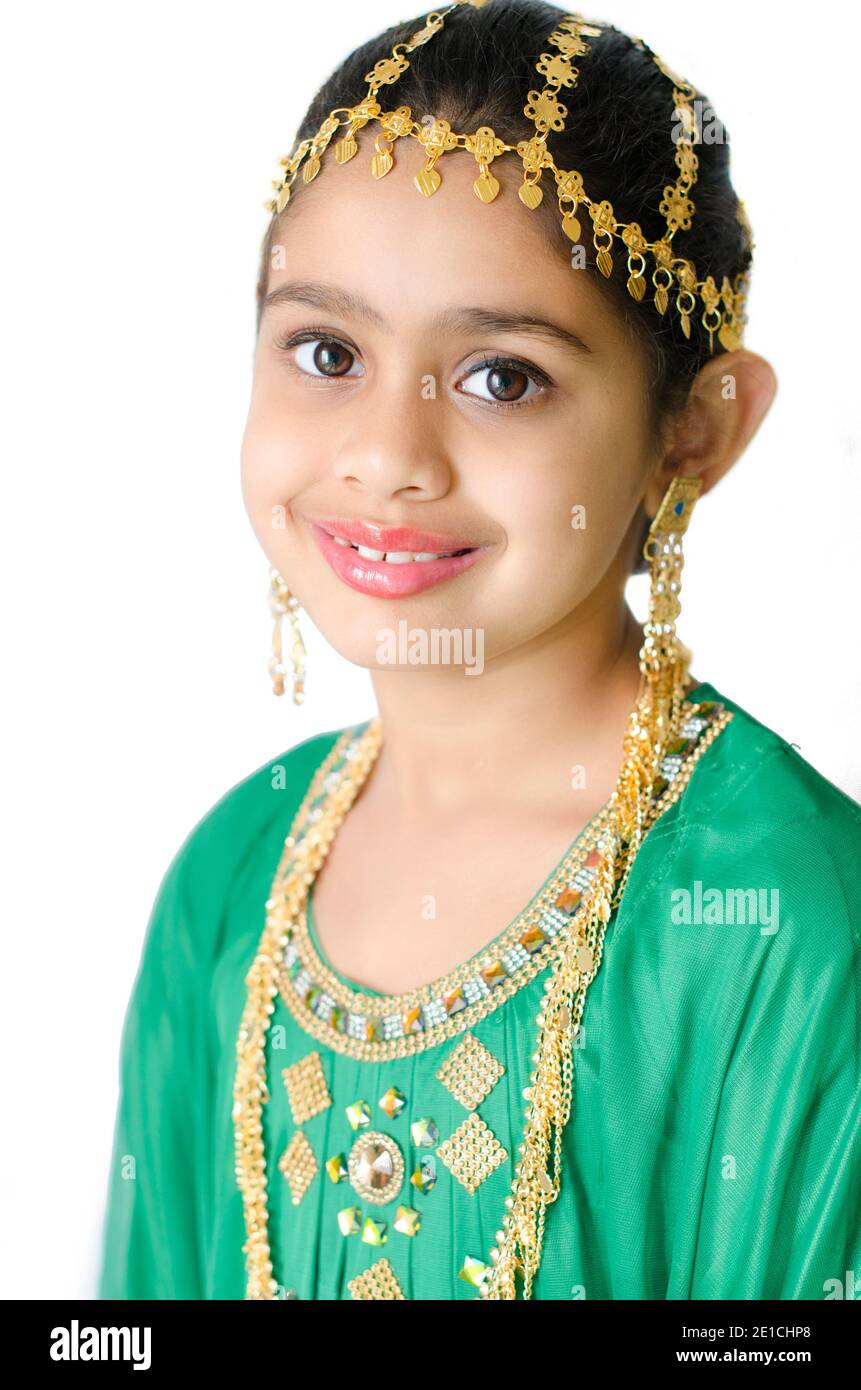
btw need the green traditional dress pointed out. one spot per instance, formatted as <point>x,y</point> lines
<point>714,1145</point>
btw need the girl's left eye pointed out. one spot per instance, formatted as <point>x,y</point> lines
<point>507,382</point>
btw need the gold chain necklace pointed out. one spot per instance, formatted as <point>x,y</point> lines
<point>575,955</point>
<point>634,806</point>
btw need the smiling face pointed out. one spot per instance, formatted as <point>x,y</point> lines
<point>375,419</point>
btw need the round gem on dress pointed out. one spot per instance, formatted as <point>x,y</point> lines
<point>376,1167</point>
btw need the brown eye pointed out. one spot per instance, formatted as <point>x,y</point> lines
<point>504,384</point>
<point>324,357</point>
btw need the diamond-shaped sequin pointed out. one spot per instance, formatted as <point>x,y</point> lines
<point>470,1072</point>
<point>298,1165</point>
<point>374,1231</point>
<point>336,1167</point>
<point>472,1152</point>
<point>349,1221</point>
<point>359,1114</point>
<point>407,1220</point>
<point>424,1133</point>
<point>473,1271</point>
<point>392,1101</point>
<point>306,1088</point>
<point>424,1174</point>
<point>378,1282</point>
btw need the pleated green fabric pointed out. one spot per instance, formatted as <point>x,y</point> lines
<point>714,1146</point>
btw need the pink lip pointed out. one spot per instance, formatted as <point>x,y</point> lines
<point>379,577</point>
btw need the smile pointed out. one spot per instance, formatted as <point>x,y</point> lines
<point>391,561</point>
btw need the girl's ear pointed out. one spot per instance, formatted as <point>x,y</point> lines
<point>728,401</point>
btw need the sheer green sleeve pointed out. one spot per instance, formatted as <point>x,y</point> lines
<point>157,1193</point>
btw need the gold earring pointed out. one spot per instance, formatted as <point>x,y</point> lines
<point>663,658</point>
<point>282,602</point>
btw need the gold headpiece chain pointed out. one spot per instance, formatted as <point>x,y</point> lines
<point>723,309</point>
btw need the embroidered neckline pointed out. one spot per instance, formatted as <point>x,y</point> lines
<point>377,1026</point>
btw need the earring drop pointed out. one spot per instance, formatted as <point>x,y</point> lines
<point>663,550</point>
<point>282,602</point>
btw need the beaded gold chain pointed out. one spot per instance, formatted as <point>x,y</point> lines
<point>575,949</point>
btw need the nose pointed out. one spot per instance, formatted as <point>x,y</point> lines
<point>394,446</point>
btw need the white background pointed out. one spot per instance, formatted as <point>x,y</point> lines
<point>139,146</point>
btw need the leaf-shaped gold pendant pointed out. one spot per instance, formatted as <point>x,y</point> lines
<point>636,287</point>
<point>530,194</point>
<point>311,169</point>
<point>381,164</point>
<point>283,198</point>
<point>345,149</point>
<point>486,187</point>
<point>427,181</point>
<point>686,325</point>
<point>605,262</point>
<point>571,226</point>
<point>661,300</point>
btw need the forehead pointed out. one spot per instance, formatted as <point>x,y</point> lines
<point>412,255</point>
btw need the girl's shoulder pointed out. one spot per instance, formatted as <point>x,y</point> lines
<point>260,805</point>
<point>756,762</point>
<point>756,824</point>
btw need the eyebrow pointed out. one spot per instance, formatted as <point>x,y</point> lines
<point>347,304</point>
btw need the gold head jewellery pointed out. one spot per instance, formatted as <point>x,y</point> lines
<point>655,737</point>
<point>722,309</point>
<point>283,603</point>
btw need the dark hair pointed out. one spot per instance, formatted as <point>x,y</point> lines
<point>478,70</point>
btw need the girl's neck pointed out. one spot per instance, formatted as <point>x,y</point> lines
<point>528,721</point>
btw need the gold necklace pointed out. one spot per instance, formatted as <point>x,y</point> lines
<point>575,953</point>
<point>641,794</point>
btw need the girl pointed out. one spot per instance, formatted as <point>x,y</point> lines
<point>544,982</point>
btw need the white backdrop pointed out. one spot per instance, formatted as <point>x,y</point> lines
<point>139,146</point>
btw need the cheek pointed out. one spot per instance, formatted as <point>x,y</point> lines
<point>567,520</point>
<point>275,461</point>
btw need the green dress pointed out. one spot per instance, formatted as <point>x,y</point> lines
<point>714,1145</point>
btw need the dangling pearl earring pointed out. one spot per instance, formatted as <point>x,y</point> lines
<point>282,602</point>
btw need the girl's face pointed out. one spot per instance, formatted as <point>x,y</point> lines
<point>430,378</point>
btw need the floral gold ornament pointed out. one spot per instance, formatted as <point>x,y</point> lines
<point>472,1152</point>
<point>377,1283</point>
<point>376,1167</point>
<point>722,308</point>
<point>282,603</point>
<point>306,1088</point>
<point>651,780</point>
<point>470,1072</point>
<point>299,1166</point>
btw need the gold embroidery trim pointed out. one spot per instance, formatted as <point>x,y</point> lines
<point>376,1007</point>
<point>251,1091</point>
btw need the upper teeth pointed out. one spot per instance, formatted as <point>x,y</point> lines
<point>394,557</point>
